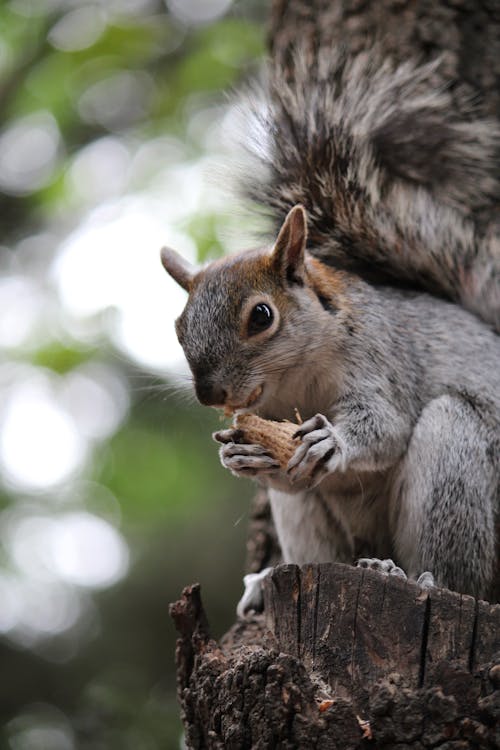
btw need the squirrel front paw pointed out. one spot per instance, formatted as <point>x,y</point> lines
<point>243,459</point>
<point>319,454</point>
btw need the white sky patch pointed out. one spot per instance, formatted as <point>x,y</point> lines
<point>97,399</point>
<point>78,29</point>
<point>99,170</point>
<point>21,310</point>
<point>197,12</point>
<point>25,537</point>
<point>33,610</point>
<point>88,551</point>
<point>113,262</point>
<point>48,557</point>
<point>118,99</point>
<point>40,444</point>
<point>28,153</point>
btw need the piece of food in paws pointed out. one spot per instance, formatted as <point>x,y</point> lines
<point>277,437</point>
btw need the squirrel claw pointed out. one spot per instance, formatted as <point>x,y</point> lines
<point>318,453</point>
<point>227,436</point>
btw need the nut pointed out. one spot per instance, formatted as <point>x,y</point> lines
<point>277,437</point>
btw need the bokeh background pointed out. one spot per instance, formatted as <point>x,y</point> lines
<point>115,128</point>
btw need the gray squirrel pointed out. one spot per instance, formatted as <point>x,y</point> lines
<point>375,314</point>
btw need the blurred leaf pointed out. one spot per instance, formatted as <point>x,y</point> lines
<point>47,87</point>
<point>202,229</point>
<point>236,42</point>
<point>153,474</point>
<point>218,54</point>
<point>136,44</point>
<point>59,358</point>
<point>213,64</point>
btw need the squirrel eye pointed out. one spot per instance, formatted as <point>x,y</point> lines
<point>261,317</point>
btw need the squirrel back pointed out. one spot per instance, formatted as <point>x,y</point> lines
<point>389,175</point>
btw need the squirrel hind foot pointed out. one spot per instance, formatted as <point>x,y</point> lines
<point>252,599</point>
<point>387,567</point>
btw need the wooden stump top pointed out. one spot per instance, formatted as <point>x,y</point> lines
<point>354,626</point>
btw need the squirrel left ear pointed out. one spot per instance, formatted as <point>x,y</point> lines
<point>288,252</point>
<point>178,268</point>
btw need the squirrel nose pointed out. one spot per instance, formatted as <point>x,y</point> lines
<point>210,394</point>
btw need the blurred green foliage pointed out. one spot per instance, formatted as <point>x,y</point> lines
<point>182,516</point>
<point>60,358</point>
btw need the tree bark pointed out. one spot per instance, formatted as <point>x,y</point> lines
<point>345,658</point>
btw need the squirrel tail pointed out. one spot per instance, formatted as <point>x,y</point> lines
<point>387,170</point>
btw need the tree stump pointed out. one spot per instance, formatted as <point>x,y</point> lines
<point>342,658</point>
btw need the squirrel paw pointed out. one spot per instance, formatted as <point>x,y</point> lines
<point>252,598</point>
<point>243,459</point>
<point>319,454</point>
<point>425,580</point>
<point>383,566</point>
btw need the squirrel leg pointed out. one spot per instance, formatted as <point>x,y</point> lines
<point>309,528</point>
<point>444,498</point>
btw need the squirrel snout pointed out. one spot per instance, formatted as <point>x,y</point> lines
<point>210,394</point>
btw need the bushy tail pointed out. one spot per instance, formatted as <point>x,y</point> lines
<point>388,172</point>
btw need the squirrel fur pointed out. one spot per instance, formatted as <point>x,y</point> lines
<point>373,314</point>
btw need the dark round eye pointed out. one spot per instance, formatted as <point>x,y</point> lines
<point>260,318</point>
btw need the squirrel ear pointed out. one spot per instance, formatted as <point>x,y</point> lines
<point>290,246</point>
<point>179,269</point>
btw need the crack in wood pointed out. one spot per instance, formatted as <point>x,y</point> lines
<point>472,652</point>
<point>424,641</point>
<point>315,618</point>
<point>355,623</point>
<point>299,615</point>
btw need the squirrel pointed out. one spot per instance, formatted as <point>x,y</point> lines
<point>375,314</point>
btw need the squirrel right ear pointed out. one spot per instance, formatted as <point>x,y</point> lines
<point>179,269</point>
<point>288,252</point>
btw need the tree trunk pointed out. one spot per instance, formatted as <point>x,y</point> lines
<point>342,657</point>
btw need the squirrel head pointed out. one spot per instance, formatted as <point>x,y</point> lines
<point>251,318</point>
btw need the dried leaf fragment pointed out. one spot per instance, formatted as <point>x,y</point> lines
<point>365,727</point>
<point>325,705</point>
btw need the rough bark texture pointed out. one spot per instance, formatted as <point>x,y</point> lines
<point>343,658</point>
